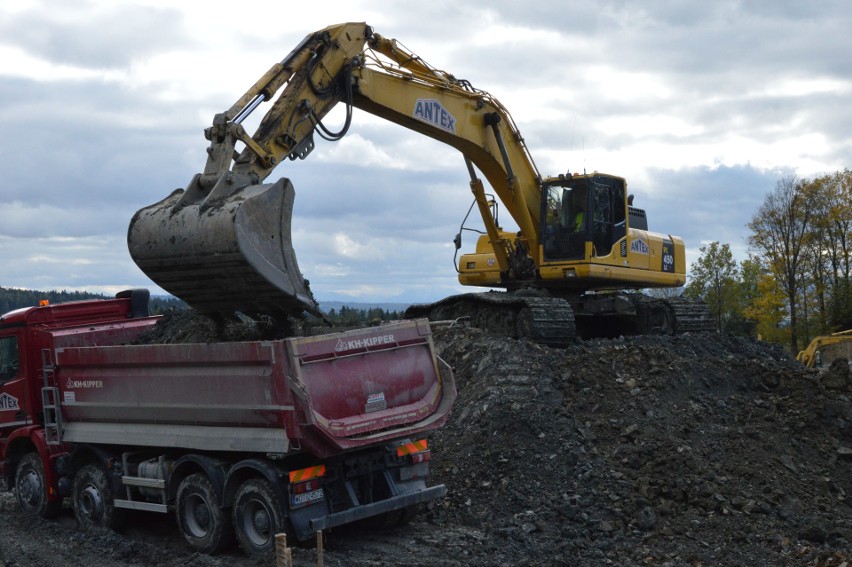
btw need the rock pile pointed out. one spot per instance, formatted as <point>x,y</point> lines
<point>689,450</point>
<point>693,450</point>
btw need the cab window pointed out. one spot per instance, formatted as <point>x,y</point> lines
<point>565,221</point>
<point>608,215</point>
<point>8,358</point>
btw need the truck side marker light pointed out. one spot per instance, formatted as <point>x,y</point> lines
<point>308,473</point>
<point>417,451</point>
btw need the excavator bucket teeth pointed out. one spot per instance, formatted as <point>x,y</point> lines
<point>225,250</point>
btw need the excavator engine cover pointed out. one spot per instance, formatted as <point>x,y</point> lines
<point>224,250</point>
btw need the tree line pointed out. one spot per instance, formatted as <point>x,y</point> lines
<point>795,283</point>
<point>348,316</point>
<point>13,298</point>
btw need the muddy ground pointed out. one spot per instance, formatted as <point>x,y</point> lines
<point>694,450</point>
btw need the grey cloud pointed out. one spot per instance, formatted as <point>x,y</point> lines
<point>69,142</point>
<point>81,35</point>
<point>89,153</point>
<point>703,204</point>
<point>68,263</point>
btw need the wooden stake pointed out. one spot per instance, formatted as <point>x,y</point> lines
<point>282,552</point>
<point>319,549</point>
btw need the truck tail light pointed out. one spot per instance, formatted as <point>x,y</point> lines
<point>417,451</point>
<point>305,488</point>
<point>306,480</point>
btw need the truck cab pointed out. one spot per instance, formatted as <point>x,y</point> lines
<point>27,339</point>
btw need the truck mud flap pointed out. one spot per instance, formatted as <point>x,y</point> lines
<point>224,249</point>
<point>376,508</point>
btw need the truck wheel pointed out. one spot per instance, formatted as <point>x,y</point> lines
<point>93,500</point>
<point>258,516</point>
<point>31,488</point>
<point>202,521</point>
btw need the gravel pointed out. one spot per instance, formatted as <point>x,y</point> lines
<point>694,450</point>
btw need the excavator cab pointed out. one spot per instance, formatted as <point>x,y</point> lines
<point>582,209</point>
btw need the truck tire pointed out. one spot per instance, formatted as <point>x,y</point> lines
<point>93,500</point>
<point>201,519</point>
<point>31,488</point>
<point>258,516</point>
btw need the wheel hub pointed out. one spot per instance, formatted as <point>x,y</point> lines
<point>91,502</point>
<point>201,516</point>
<point>30,488</point>
<point>261,521</point>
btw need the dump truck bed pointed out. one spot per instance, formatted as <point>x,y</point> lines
<point>325,394</point>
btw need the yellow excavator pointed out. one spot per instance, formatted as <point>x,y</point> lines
<point>825,349</point>
<point>223,243</point>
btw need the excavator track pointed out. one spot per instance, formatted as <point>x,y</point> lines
<point>621,314</point>
<point>551,320</point>
<point>545,320</point>
<point>691,316</point>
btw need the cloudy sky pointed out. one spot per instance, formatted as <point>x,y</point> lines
<point>702,106</point>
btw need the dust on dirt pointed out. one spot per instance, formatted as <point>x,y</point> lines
<point>699,449</point>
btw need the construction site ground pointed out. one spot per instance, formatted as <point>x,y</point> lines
<point>694,450</point>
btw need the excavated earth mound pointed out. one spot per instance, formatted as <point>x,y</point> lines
<point>691,450</point>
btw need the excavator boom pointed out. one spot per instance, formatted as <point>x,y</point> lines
<point>223,243</point>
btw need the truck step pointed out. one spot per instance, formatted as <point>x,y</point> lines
<point>143,482</point>
<point>144,506</point>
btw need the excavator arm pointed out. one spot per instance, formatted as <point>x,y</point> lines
<point>223,243</point>
<point>808,356</point>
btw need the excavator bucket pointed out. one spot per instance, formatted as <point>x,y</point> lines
<point>224,250</point>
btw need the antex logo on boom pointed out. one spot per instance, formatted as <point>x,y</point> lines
<point>433,112</point>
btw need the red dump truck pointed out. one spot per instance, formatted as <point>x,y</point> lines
<point>238,439</point>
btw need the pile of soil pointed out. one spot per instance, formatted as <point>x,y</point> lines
<point>189,326</point>
<point>699,450</point>
<point>689,450</point>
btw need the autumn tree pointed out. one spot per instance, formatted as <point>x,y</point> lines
<point>780,229</point>
<point>835,230</point>
<point>768,308</point>
<point>743,320</point>
<point>714,278</point>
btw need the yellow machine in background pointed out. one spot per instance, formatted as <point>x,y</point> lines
<point>223,244</point>
<point>825,349</point>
